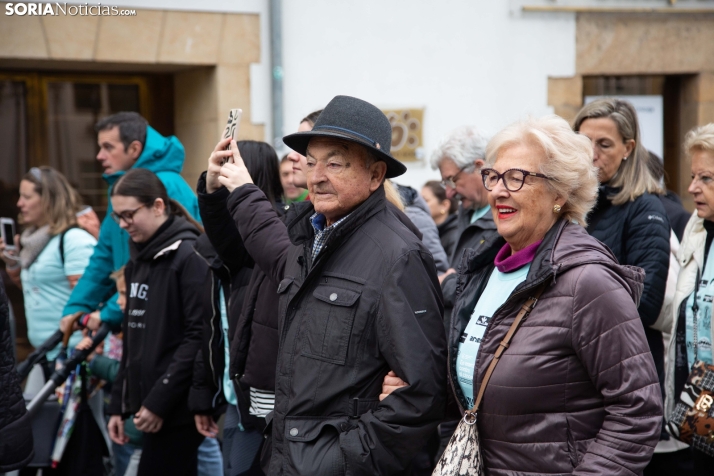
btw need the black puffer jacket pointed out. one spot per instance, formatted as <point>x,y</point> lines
<point>16,446</point>
<point>638,234</point>
<point>368,304</point>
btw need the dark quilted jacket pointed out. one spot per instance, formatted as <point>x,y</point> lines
<point>15,429</point>
<point>576,391</point>
<point>369,302</point>
<point>637,233</point>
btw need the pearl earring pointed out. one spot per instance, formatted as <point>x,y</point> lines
<point>624,158</point>
<point>557,208</point>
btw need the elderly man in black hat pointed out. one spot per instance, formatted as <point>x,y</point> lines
<point>358,296</point>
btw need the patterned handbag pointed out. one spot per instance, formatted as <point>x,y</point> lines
<point>462,456</point>
<point>692,420</point>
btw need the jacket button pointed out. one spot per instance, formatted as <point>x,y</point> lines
<point>166,381</point>
<point>333,297</point>
<point>344,426</point>
<point>294,432</point>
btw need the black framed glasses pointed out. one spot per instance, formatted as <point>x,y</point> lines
<point>451,181</point>
<point>513,179</point>
<point>127,216</point>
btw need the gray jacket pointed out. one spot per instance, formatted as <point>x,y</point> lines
<point>418,212</point>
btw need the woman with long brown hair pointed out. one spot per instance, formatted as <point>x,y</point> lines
<point>53,250</point>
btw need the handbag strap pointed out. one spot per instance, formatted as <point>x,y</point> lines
<point>522,314</point>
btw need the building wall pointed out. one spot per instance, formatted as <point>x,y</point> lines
<point>465,62</point>
<point>210,54</point>
<point>646,44</point>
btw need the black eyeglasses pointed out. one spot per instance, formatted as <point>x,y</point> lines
<point>451,181</point>
<point>127,216</point>
<point>513,179</point>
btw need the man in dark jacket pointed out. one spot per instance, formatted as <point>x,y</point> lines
<point>359,295</point>
<point>16,447</point>
<point>459,158</point>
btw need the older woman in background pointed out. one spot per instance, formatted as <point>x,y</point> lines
<point>576,390</point>
<point>697,263</point>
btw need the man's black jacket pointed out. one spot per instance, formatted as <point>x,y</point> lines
<point>369,303</point>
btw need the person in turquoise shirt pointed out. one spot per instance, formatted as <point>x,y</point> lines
<point>125,141</point>
<point>53,251</point>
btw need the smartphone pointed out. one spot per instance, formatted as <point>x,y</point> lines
<point>231,130</point>
<point>7,229</point>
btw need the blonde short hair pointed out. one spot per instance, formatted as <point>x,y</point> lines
<point>568,160</point>
<point>700,139</point>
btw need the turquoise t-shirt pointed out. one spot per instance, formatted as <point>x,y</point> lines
<point>228,389</point>
<point>705,293</point>
<point>498,289</point>
<point>479,213</point>
<point>46,289</point>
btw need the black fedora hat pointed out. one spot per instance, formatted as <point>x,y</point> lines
<point>353,120</point>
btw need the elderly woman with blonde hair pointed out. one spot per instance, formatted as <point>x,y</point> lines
<point>692,334</point>
<point>575,390</point>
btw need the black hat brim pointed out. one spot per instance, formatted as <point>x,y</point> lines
<point>299,141</point>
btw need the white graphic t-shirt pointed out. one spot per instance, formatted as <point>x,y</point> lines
<point>498,289</point>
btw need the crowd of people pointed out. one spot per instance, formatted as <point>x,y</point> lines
<point>320,318</point>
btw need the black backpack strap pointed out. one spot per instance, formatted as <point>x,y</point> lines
<point>61,243</point>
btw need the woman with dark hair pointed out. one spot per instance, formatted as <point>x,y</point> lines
<point>237,366</point>
<point>443,212</point>
<point>169,291</point>
<point>53,251</point>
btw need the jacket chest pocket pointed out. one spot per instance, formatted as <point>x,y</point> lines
<point>327,323</point>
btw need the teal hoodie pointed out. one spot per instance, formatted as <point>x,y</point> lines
<point>164,156</point>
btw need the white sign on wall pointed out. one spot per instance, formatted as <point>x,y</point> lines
<point>650,114</point>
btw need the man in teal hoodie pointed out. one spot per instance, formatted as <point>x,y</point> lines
<point>125,141</point>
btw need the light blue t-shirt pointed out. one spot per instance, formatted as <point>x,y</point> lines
<point>228,390</point>
<point>705,293</point>
<point>498,289</point>
<point>46,289</point>
<point>479,213</point>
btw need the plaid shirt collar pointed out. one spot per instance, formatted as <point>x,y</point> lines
<point>322,233</point>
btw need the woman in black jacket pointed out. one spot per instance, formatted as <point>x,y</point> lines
<point>629,216</point>
<point>168,288</point>
<point>245,380</point>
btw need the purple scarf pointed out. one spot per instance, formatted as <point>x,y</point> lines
<point>507,262</point>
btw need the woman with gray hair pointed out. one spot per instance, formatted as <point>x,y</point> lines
<point>692,337</point>
<point>575,390</point>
